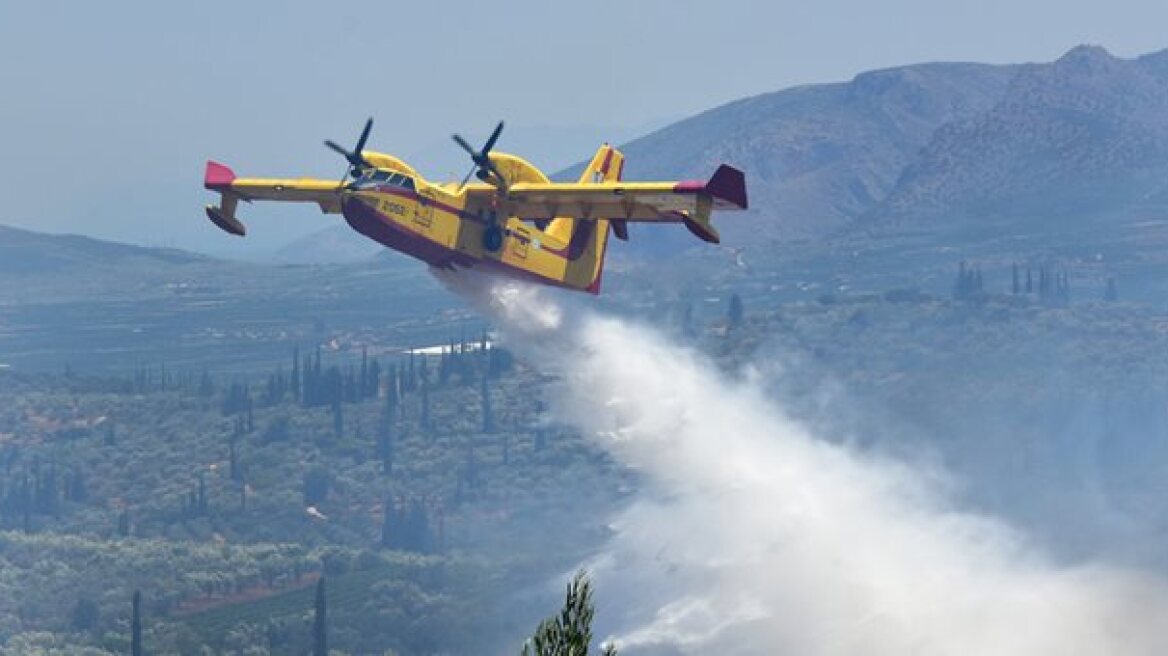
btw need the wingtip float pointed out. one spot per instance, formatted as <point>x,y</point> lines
<point>513,220</point>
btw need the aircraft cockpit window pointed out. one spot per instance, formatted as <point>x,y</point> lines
<point>395,179</point>
<point>380,176</point>
<point>407,182</point>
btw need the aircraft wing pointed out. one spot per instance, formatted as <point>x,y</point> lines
<point>325,193</point>
<point>688,202</point>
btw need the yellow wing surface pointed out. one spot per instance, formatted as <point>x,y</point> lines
<point>325,193</point>
<point>688,202</point>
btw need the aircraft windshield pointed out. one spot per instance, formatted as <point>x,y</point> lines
<point>391,178</point>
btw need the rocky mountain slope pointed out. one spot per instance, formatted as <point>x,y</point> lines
<point>1084,136</point>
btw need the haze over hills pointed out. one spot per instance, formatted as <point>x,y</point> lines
<point>816,157</point>
<point>26,251</point>
<point>1084,136</point>
<point>931,145</point>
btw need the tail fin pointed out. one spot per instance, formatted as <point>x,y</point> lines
<point>606,166</point>
<point>587,239</point>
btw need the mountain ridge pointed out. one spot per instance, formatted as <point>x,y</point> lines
<point>25,251</point>
<point>1084,135</point>
<point>816,156</point>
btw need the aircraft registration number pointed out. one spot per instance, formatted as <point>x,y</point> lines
<point>393,208</point>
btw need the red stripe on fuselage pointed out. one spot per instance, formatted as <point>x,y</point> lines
<point>415,196</point>
<point>384,230</point>
<point>380,228</point>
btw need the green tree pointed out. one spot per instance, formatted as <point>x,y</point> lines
<point>488,412</point>
<point>316,485</point>
<point>85,614</point>
<point>296,374</point>
<point>136,625</point>
<point>124,523</point>
<point>320,622</point>
<point>735,312</point>
<point>338,418</point>
<point>385,440</point>
<point>568,633</point>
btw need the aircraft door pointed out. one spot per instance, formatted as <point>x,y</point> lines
<point>424,210</point>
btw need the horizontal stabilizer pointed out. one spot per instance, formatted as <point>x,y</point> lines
<point>727,188</point>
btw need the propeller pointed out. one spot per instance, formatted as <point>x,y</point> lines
<point>357,161</point>
<point>483,167</point>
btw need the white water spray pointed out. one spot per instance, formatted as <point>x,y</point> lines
<point>755,537</point>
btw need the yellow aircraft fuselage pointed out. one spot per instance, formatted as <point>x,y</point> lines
<point>522,225</point>
<point>441,225</point>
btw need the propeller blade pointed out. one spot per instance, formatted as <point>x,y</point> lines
<point>484,168</point>
<point>364,136</point>
<point>494,137</point>
<point>336,147</point>
<point>467,178</point>
<point>465,146</point>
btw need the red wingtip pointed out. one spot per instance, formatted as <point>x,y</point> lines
<point>218,176</point>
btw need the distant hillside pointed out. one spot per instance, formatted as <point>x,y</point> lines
<point>333,245</point>
<point>25,251</point>
<point>1084,136</point>
<point>816,157</point>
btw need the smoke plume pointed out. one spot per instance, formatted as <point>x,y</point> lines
<point>755,537</point>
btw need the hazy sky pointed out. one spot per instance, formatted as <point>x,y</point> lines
<point>109,110</point>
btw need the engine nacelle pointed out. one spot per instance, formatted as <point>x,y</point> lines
<point>516,169</point>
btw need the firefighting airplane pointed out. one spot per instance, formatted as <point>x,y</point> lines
<point>515,220</point>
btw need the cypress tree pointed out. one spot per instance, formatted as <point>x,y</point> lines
<point>124,523</point>
<point>26,505</point>
<point>488,414</point>
<point>734,313</point>
<point>389,525</point>
<point>233,458</point>
<point>296,373</point>
<point>306,381</point>
<point>250,414</point>
<point>338,418</point>
<point>136,625</point>
<point>363,382</point>
<point>320,622</point>
<point>424,420</point>
<point>202,499</point>
<point>206,385</point>
<point>385,442</point>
